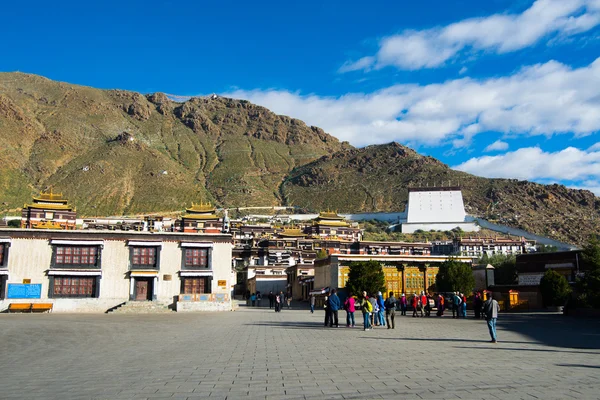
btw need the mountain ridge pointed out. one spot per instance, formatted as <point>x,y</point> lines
<point>120,152</point>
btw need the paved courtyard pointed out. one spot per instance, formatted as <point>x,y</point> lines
<point>260,354</point>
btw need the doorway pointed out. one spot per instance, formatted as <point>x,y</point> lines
<point>143,289</point>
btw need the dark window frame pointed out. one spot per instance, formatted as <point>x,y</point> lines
<point>93,295</point>
<point>207,283</point>
<point>4,256</point>
<point>184,256</point>
<point>55,265</point>
<point>155,266</point>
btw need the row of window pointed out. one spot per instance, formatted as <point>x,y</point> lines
<point>87,287</point>
<point>147,257</point>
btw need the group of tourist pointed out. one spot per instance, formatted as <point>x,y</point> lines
<point>379,312</point>
<point>276,300</point>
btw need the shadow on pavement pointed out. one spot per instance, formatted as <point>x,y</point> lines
<point>578,365</point>
<point>495,347</point>
<point>291,325</point>
<point>553,329</point>
<point>439,340</point>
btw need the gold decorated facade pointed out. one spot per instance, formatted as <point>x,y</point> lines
<point>49,211</point>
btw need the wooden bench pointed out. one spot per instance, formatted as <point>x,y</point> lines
<point>41,307</point>
<point>19,307</point>
<point>30,307</point>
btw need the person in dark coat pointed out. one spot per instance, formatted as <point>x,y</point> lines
<point>334,304</point>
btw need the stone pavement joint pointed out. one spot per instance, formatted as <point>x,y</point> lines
<point>258,354</point>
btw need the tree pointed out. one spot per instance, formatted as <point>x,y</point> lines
<point>545,248</point>
<point>322,253</point>
<point>588,286</point>
<point>505,268</point>
<point>453,276</point>
<point>365,276</point>
<point>14,223</point>
<point>555,288</point>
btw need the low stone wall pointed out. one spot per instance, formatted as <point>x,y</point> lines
<point>187,306</point>
<point>69,305</point>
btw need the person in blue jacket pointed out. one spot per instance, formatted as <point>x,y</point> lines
<point>334,304</point>
<point>381,312</point>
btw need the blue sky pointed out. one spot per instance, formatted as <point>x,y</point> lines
<point>497,88</point>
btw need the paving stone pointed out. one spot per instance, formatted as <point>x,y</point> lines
<point>258,354</point>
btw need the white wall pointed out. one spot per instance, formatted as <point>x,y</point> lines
<point>436,206</point>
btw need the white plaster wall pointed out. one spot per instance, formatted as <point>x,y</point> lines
<point>466,227</point>
<point>114,284</point>
<point>436,206</point>
<point>170,264</point>
<point>29,259</point>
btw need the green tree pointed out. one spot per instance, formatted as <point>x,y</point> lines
<point>322,253</point>
<point>554,288</point>
<point>505,268</point>
<point>588,286</point>
<point>14,223</point>
<point>453,276</point>
<point>545,248</point>
<point>365,276</point>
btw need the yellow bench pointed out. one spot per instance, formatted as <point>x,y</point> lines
<point>41,307</point>
<point>19,307</point>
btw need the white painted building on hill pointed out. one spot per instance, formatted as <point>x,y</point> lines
<point>436,208</point>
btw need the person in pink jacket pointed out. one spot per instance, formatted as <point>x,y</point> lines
<point>349,306</point>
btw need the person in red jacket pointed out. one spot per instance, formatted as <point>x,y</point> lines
<point>423,304</point>
<point>415,304</point>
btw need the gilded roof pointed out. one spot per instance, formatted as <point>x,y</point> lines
<point>329,215</point>
<point>201,208</point>
<point>294,232</point>
<point>200,216</point>
<point>46,206</point>
<point>50,197</point>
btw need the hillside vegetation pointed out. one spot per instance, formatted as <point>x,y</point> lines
<point>114,152</point>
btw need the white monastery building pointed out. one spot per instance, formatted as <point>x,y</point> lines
<point>436,208</point>
<point>94,271</point>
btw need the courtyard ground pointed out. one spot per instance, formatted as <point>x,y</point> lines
<point>260,354</point>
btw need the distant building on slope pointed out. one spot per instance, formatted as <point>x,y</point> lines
<point>436,208</point>
<point>48,211</point>
<point>200,218</point>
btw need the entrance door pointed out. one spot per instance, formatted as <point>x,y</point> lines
<point>142,289</point>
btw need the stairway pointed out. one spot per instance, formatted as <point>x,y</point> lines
<point>142,307</point>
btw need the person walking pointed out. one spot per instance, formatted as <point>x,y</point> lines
<point>271,299</point>
<point>463,305</point>
<point>491,308</point>
<point>277,303</point>
<point>288,299</point>
<point>390,310</point>
<point>477,303</point>
<point>327,311</point>
<point>281,300</point>
<point>455,305</point>
<point>423,303</point>
<point>253,299</point>
<point>312,304</point>
<point>258,298</point>
<point>440,305</point>
<point>350,307</point>
<point>334,305</point>
<point>381,309</point>
<point>415,305</point>
<point>403,304</point>
<point>366,308</point>
<point>374,310</point>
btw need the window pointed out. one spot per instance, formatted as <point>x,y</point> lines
<point>86,256</point>
<point>49,215</point>
<point>144,256</point>
<point>196,258</point>
<point>74,286</point>
<point>200,225</point>
<point>195,285</point>
<point>2,254</point>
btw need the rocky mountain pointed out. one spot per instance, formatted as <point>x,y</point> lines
<point>115,152</point>
<point>119,152</point>
<point>377,178</point>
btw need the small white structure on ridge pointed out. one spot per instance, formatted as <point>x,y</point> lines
<point>436,208</point>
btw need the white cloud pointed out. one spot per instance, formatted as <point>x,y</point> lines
<point>498,145</point>
<point>463,71</point>
<point>543,99</point>
<point>531,163</point>
<point>500,33</point>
